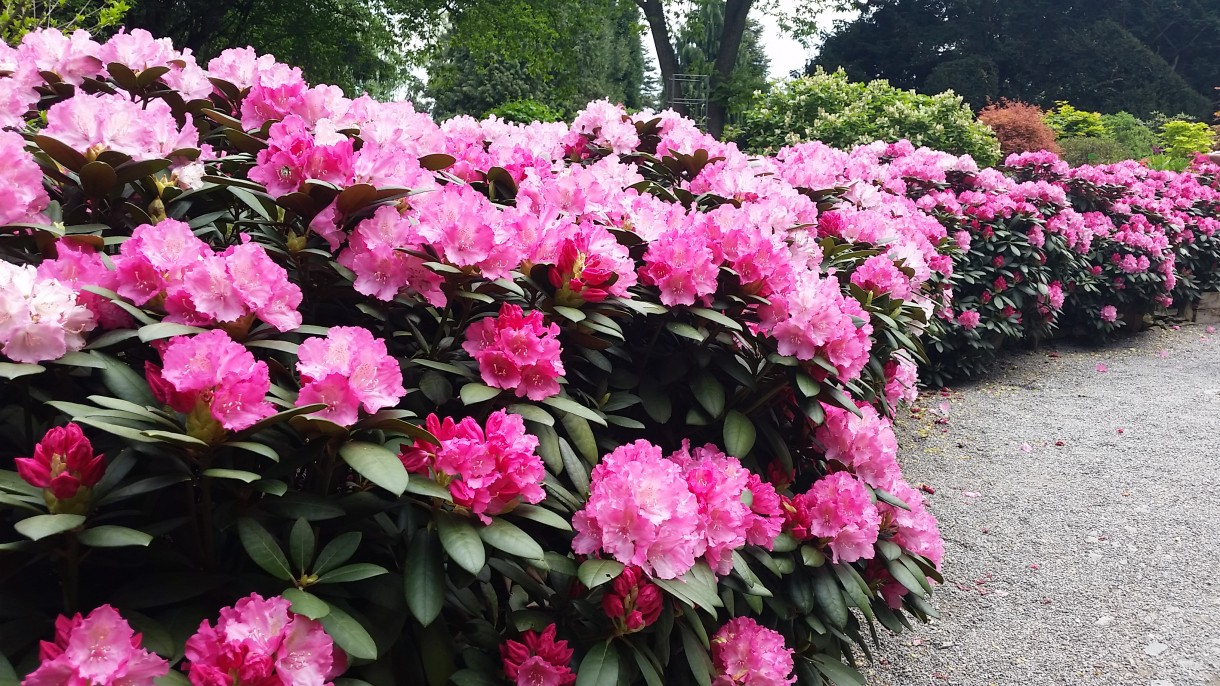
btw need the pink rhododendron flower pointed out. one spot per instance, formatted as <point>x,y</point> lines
<point>516,351</point>
<point>488,470</point>
<point>968,319</point>
<point>632,602</point>
<point>100,649</point>
<point>72,57</point>
<point>902,380</point>
<point>538,660</point>
<point>259,641</point>
<point>40,318</point>
<point>167,263</point>
<point>216,372</point>
<point>839,508</point>
<point>294,155</point>
<point>865,443</point>
<point>65,467</point>
<point>746,653</point>
<point>1109,313</point>
<point>79,265</point>
<point>378,254</point>
<point>879,276</point>
<point>22,196</point>
<point>682,265</point>
<point>347,369</point>
<point>717,481</point>
<point>914,529</point>
<point>641,512</point>
<point>91,124</point>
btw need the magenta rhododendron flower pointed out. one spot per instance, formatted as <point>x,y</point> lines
<point>641,512</point>
<point>632,602</point>
<point>295,154</point>
<point>538,660</point>
<point>65,467</point>
<point>745,653</point>
<point>914,529</point>
<point>682,264</point>
<point>99,649</point>
<point>259,641</point>
<point>838,507</point>
<point>517,351</point>
<point>213,371</point>
<point>718,482</point>
<point>488,470</point>
<point>40,318</point>
<point>1109,313</point>
<point>901,380</point>
<point>879,276</point>
<point>348,369</point>
<point>968,319</point>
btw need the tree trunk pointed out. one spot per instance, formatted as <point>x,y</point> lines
<point>735,13</point>
<point>667,58</point>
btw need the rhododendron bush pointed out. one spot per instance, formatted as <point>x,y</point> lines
<point>299,387</point>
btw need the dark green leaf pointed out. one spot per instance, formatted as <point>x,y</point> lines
<point>301,545</point>
<point>830,598</point>
<point>593,573</point>
<point>40,526</point>
<point>739,434</point>
<point>306,603</point>
<point>235,474</point>
<point>424,577</point>
<point>581,436</point>
<point>568,405</point>
<point>508,537</point>
<point>600,666</point>
<point>338,551</point>
<point>377,464</point>
<point>349,573</point>
<point>474,393</point>
<point>837,672</point>
<point>461,541</point>
<point>542,516</point>
<point>709,393</point>
<point>109,536</point>
<point>696,656</point>
<point>348,634</point>
<point>262,547</point>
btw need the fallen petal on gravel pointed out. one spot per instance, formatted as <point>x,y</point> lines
<point>1101,367</point>
<point>1026,448</point>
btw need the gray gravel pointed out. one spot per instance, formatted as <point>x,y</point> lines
<point>1092,562</point>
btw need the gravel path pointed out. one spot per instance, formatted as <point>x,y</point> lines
<point>1091,555</point>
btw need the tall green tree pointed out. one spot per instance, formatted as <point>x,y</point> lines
<point>665,17</point>
<point>357,44</point>
<point>561,53</point>
<point>1109,55</point>
<point>19,17</point>
<point>698,44</point>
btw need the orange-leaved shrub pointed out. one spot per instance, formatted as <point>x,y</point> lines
<point>1019,126</point>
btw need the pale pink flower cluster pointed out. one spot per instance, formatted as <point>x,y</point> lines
<point>379,253</point>
<point>347,370</point>
<point>745,653</point>
<point>816,317</point>
<point>914,529</point>
<point>97,650</point>
<point>72,58</point>
<point>167,264</point>
<point>260,641</point>
<point>517,351</point>
<point>839,509</point>
<point>863,442</point>
<point>213,371</point>
<point>641,512</point>
<point>879,276</point>
<point>488,470</point>
<point>22,196</point>
<point>93,123</point>
<point>901,380</point>
<point>40,317</point>
<point>78,265</point>
<point>663,513</point>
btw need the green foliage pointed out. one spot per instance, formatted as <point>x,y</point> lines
<point>1184,139</point>
<point>1092,150</point>
<point>1133,134</point>
<point>1069,122</point>
<point>561,54</point>
<point>698,44</point>
<point>1103,55</point>
<point>19,17</point>
<point>525,111</point>
<point>828,107</point>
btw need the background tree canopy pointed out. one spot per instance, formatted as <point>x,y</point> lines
<point>1140,56</point>
<point>561,53</point>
